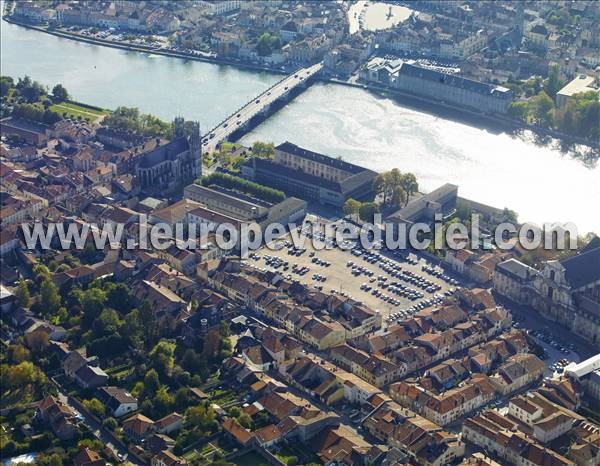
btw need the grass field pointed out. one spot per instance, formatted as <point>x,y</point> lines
<point>73,110</point>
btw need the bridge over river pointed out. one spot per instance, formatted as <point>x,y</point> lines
<point>240,120</point>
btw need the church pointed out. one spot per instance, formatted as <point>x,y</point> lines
<point>175,163</point>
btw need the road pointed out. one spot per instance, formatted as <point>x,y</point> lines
<point>243,115</point>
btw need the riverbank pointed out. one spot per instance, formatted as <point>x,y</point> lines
<point>491,122</point>
<point>494,123</point>
<point>143,49</point>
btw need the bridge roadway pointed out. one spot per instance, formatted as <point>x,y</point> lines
<point>257,105</point>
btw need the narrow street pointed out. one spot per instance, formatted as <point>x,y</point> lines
<point>99,431</point>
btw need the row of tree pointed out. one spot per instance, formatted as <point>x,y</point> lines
<point>240,184</point>
<point>29,90</point>
<point>131,120</point>
<point>395,187</point>
<point>580,116</point>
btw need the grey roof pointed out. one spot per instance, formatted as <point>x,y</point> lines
<point>516,268</point>
<point>582,269</point>
<point>168,151</point>
<point>455,81</point>
<point>320,158</point>
<point>297,175</point>
<point>25,125</point>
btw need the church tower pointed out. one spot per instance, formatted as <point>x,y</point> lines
<point>178,127</point>
<point>195,142</point>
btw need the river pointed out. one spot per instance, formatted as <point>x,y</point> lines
<point>540,183</point>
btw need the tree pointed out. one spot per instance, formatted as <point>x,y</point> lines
<point>150,328</point>
<point>245,421</point>
<point>107,323</point>
<point>351,207</point>
<point>30,90</point>
<point>94,406</point>
<point>162,357</point>
<point>163,402</point>
<point>266,43</point>
<point>379,186</point>
<point>553,83</point>
<point>17,353</point>
<point>110,423</point>
<point>519,110</point>
<point>543,107</point>
<point>210,344</point>
<point>201,416</point>
<point>264,150</point>
<point>6,84</point>
<point>182,398</point>
<point>49,460</point>
<point>132,328</point>
<point>19,375</point>
<point>119,297</point>
<point>92,304</point>
<point>367,211</point>
<point>38,341</point>
<point>49,299</point>
<point>59,93</point>
<point>22,294</point>
<point>151,382</point>
<point>409,184</point>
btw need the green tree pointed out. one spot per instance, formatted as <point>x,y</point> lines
<point>201,416</point>
<point>110,423</point>
<point>59,93</point>
<point>163,402</point>
<point>367,211</point>
<point>94,406</point>
<point>22,294</point>
<point>53,459</point>
<point>6,84</point>
<point>119,297</point>
<point>264,150</point>
<point>107,323</point>
<point>92,304</point>
<point>351,207</point>
<point>162,357</point>
<point>519,110</point>
<point>151,382</point>
<point>245,421</point>
<point>49,299</point>
<point>132,328</point>
<point>408,183</point>
<point>543,109</point>
<point>150,328</point>
<point>553,84</point>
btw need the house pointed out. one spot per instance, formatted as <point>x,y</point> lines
<point>138,427</point>
<point>514,280</point>
<point>90,376</point>
<point>167,458</point>
<point>236,432</point>
<point>32,132</point>
<point>517,372</point>
<point>87,457</point>
<point>74,361</point>
<point>169,424</point>
<point>119,401</point>
<point>59,416</point>
<point>159,442</point>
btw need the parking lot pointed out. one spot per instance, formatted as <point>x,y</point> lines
<point>395,283</point>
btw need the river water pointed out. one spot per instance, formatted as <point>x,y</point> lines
<point>540,183</point>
